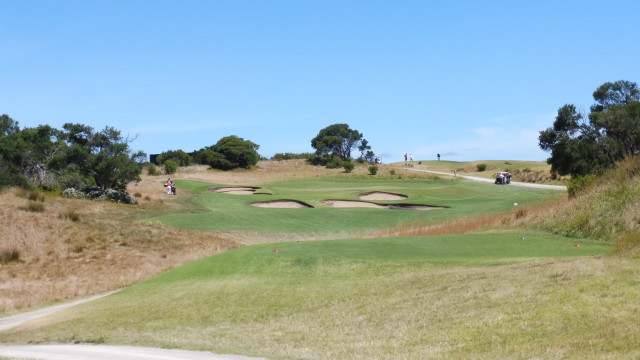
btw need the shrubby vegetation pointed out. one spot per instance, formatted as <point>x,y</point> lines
<point>180,157</point>
<point>291,156</point>
<point>74,156</point>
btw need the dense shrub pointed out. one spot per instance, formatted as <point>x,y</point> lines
<point>170,167</point>
<point>580,184</point>
<point>152,170</point>
<point>334,163</point>
<point>96,193</point>
<point>481,167</point>
<point>373,170</point>
<point>348,166</point>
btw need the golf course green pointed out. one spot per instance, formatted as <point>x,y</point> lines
<point>223,211</point>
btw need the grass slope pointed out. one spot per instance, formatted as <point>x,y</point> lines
<point>401,298</point>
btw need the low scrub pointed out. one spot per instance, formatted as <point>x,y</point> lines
<point>34,206</point>
<point>70,214</point>
<point>9,256</point>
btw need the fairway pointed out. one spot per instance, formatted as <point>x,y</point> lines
<point>224,211</point>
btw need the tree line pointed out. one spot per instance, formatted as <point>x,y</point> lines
<point>78,156</point>
<point>333,146</point>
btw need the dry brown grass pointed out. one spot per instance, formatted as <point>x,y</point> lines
<point>77,248</point>
<point>518,216</point>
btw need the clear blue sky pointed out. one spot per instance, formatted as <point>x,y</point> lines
<point>471,80</point>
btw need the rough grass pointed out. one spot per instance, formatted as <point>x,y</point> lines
<point>609,210</point>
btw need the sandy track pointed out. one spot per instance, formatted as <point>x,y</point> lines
<point>12,321</point>
<point>107,352</point>
<point>481,179</point>
<point>94,352</point>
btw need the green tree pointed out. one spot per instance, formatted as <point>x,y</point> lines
<point>230,152</point>
<point>102,157</point>
<point>579,147</point>
<point>609,94</point>
<point>337,141</point>
<point>10,155</point>
<point>8,126</point>
<point>239,152</point>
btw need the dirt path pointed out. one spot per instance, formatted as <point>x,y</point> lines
<point>107,352</point>
<point>481,179</point>
<point>12,321</point>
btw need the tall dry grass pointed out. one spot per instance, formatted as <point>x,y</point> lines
<point>78,248</point>
<point>519,216</point>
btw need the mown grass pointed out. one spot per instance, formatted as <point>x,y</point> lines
<point>400,298</point>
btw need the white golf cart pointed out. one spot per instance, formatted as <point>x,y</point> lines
<point>503,178</point>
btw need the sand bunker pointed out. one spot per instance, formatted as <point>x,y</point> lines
<point>366,204</point>
<point>244,190</point>
<point>353,204</point>
<point>282,204</point>
<point>380,195</point>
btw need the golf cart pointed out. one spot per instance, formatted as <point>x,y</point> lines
<point>503,178</point>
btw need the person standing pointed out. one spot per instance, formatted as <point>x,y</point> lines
<point>410,157</point>
<point>169,186</point>
<point>405,157</point>
<point>438,157</point>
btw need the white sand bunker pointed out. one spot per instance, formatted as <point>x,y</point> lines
<point>366,204</point>
<point>282,204</point>
<point>381,195</point>
<point>244,190</point>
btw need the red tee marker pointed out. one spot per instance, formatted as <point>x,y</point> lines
<point>577,245</point>
<point>275,250</point>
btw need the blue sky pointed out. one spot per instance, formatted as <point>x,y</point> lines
<point>471,80</point>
